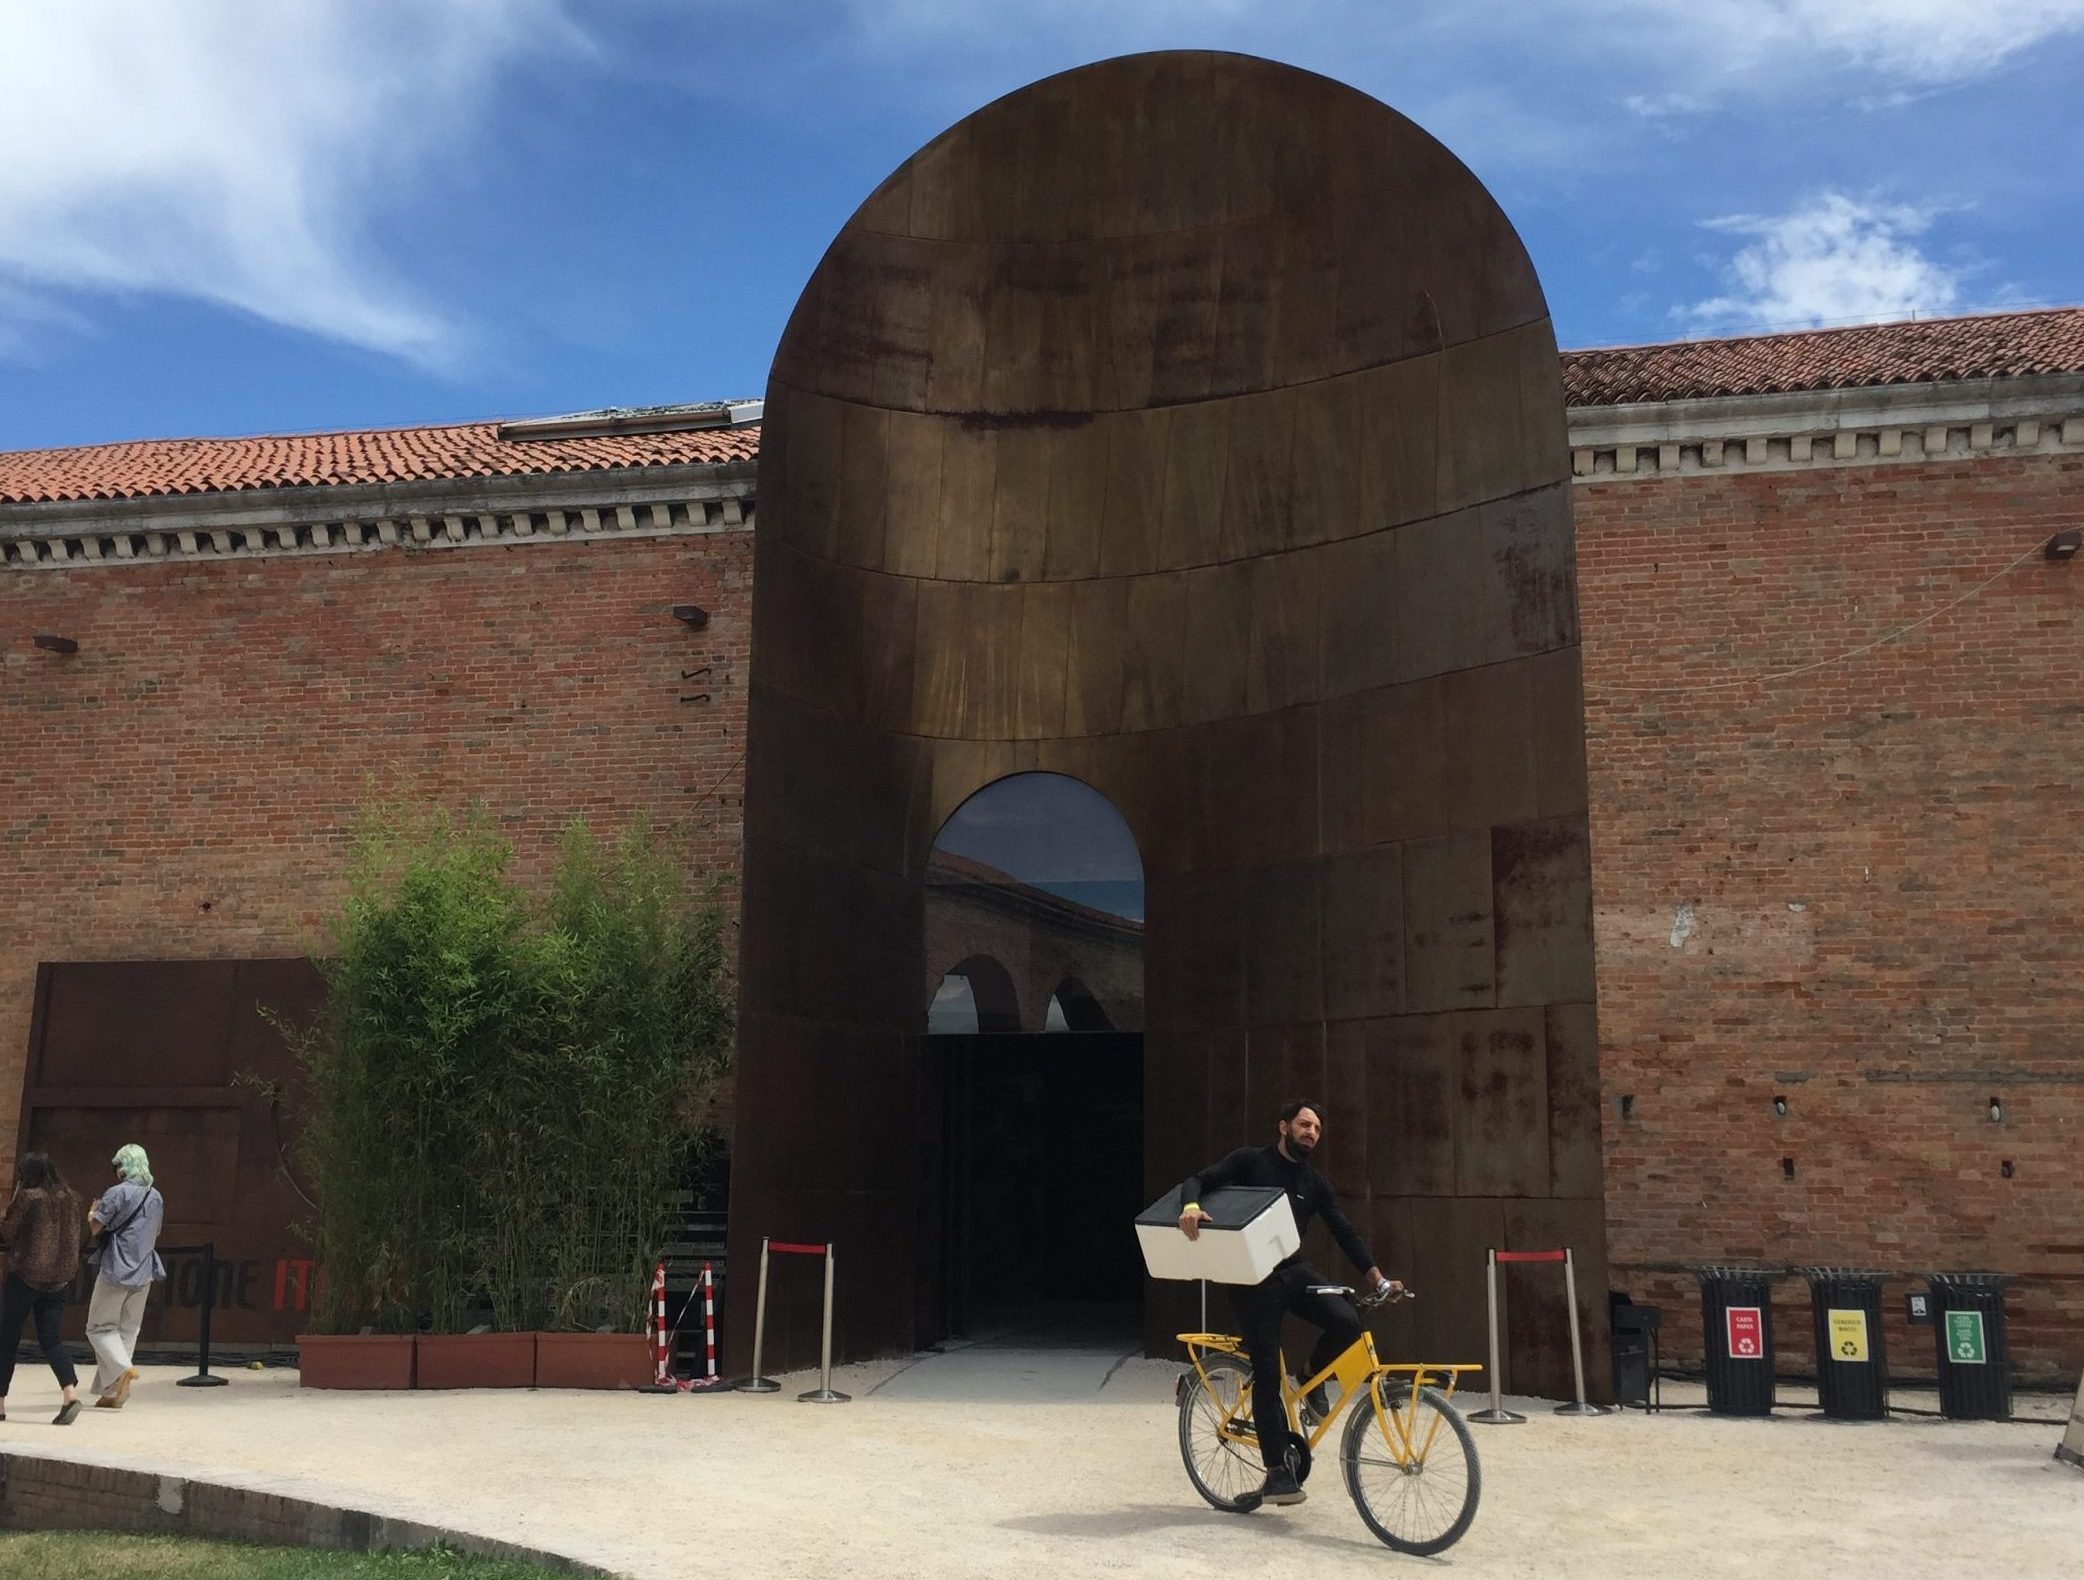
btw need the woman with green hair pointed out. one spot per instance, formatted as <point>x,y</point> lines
<point>126,1219</point>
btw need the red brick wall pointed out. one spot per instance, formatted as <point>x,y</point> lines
<point>1884,860</point>
<point>183,786</point>
<point>1922,804</point>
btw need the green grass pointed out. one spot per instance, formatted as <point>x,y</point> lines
<point>100,1555</point>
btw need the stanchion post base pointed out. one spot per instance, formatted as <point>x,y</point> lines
<point>1574,1408</point>
<point>756,1385</point>
<point>202,1380</point>
<point>1496,1418</point>
<point>823,1396</point>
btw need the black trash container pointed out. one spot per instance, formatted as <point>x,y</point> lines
<point>1634,1345</point>
<point>1975,1374</point>
<point>1852,1367</point>
<point>1736,1308</point>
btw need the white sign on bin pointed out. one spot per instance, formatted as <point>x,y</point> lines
<point>1251,1232</point>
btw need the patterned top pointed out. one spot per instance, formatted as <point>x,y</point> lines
<point>43,1232</point>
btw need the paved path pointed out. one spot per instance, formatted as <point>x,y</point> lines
<point>1000,1460</point>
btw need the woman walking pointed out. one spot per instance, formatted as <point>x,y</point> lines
<point>126,1217</point>
<point>42,1234</point>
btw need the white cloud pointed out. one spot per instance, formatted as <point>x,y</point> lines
<point>1833,259</point>
<point>1927,41</point>
<point>1659,64</point>
<point>1663,106</point>
<point>238,151</point>
<point>1767,41</point>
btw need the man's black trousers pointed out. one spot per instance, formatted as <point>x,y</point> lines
<point>1260,1308</point>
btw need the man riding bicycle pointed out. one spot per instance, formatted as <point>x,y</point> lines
<point>1288,1288</point>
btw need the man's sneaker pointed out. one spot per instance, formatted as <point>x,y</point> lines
<point>1315,1406</point>
<point>1282,1487</point>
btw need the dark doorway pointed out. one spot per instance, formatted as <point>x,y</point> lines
<point>1041,1177</point>
<point>1034,1050</point>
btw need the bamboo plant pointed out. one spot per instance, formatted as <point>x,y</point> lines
<point>499,1097</point>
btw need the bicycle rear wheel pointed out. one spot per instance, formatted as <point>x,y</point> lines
<point>1418,1497</point>
<point>1215,1434</point>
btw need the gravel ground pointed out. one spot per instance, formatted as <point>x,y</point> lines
<point>997,1460</point>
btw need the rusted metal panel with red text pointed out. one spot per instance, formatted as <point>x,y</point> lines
<point>181,1057</point>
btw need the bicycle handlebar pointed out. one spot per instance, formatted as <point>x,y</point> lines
<point>1383,1295</point>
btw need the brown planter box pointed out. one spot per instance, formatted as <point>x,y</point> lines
<point>355,1360</point>
<point>476,1360</point>
<point>592,1360</point>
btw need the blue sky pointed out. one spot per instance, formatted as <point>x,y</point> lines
<point>240,216</point>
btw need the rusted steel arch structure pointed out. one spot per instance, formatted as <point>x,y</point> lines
<point>1191,425</point>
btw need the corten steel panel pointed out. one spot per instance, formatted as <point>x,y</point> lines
<point>1450,954</point>
<point>1573,1049</point>
<point>1284,966</point>
<point>146,1051</point>
<point>1412,1093</point>
<point>1501,1143</point>
<point>1363,920</point>
<point>1531,1298</point>
<point>1192,425</point>
<point>129,1023</point>
<point>1541,888</point>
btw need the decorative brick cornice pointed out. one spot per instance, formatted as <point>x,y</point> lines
<point>1962,421</point>
<point>359,520</point>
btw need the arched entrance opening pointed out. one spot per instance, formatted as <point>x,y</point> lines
<point>1034,1045</point>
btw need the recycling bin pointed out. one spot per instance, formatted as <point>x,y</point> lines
<point>1975,1375</point>
<point>1852,1367</point>
<point>1736,1308</point>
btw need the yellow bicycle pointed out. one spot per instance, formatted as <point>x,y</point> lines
<point>1408,1459</point>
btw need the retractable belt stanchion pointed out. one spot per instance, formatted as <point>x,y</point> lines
<point>1497,1414</point>
<point>203,1377</point>
<point>1577,1347</point>
<point>823,1393</point>
<point>759,1383</point>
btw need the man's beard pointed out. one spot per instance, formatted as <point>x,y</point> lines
<point>1300,1149</point>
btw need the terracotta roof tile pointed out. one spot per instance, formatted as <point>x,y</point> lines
<point>139,468</point>
<point>1931,350</point>
<point>1997,345</point>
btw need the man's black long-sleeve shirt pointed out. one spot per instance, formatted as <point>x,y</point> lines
<point>1309,1193</point>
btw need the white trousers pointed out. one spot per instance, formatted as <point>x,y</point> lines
<point>114,1316</point>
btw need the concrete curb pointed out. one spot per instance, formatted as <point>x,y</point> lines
<point>42,1492</point>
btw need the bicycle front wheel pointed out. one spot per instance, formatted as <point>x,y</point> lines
<point>1215,1434</point>
<point>1411,1468</point>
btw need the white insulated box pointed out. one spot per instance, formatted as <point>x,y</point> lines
<point>1251,1232</point>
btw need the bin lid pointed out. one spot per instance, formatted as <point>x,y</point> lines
<point>1716,1272</point>
<point>1232,1207</point>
